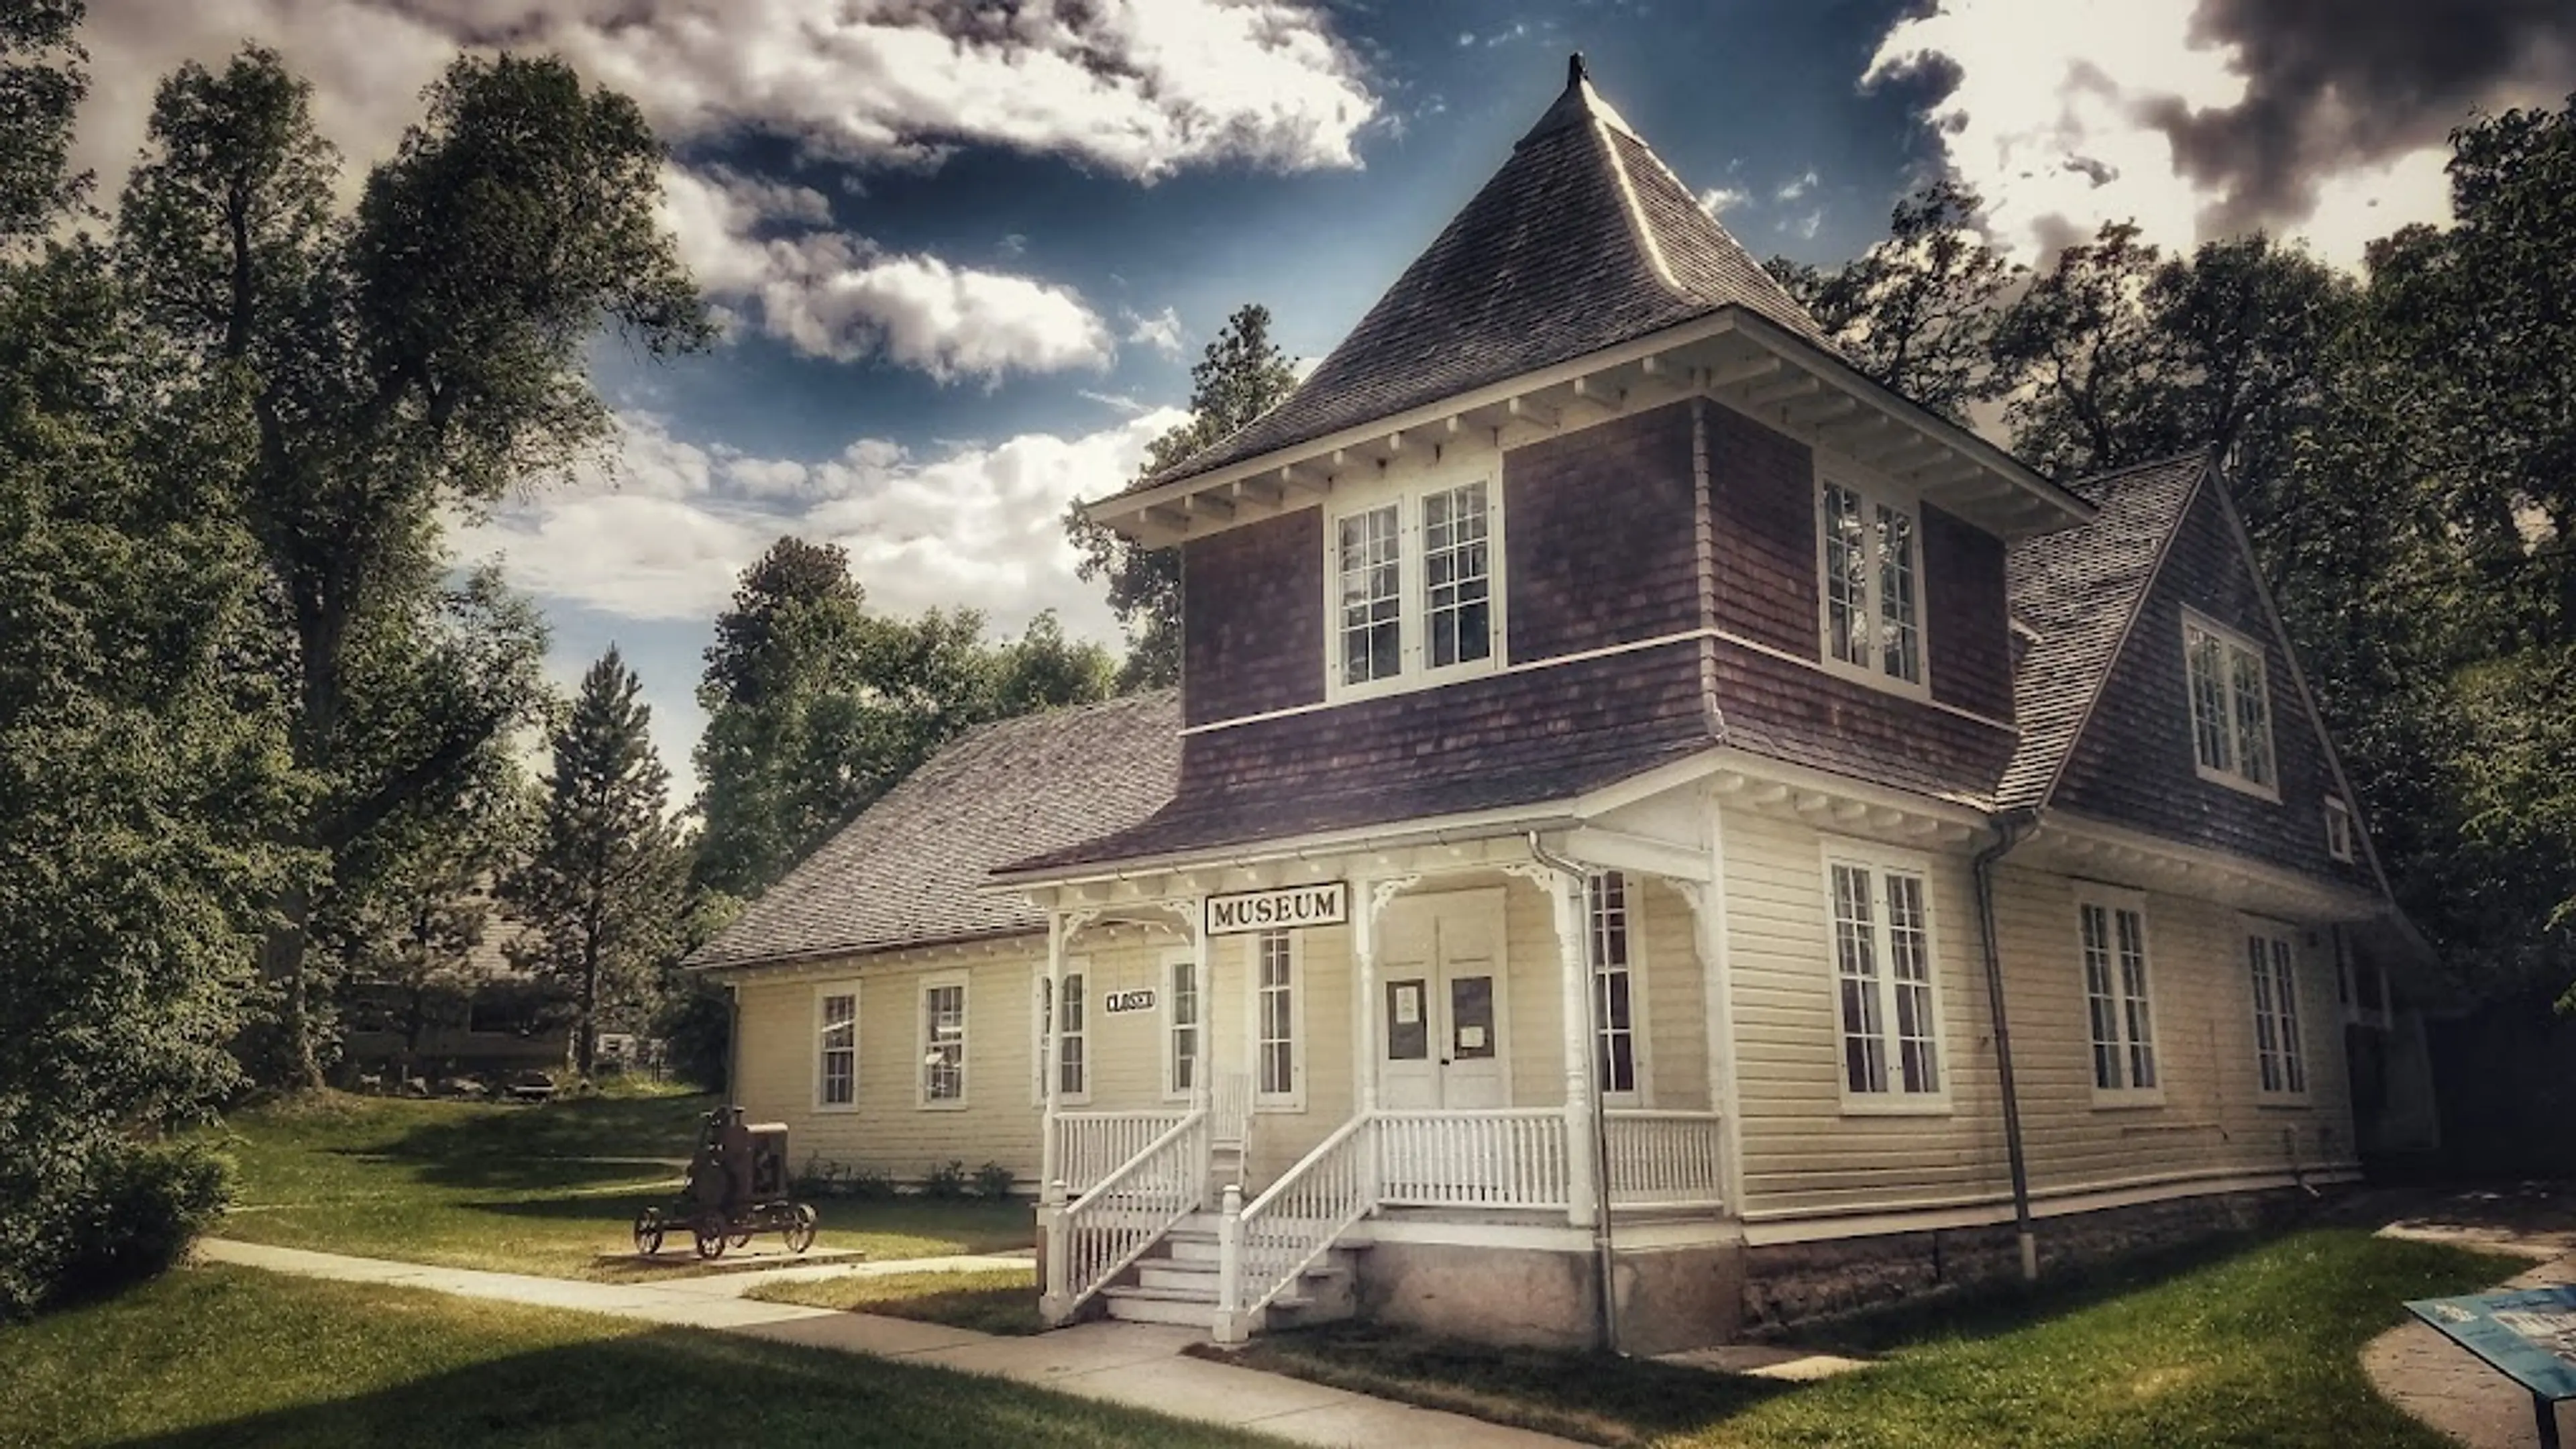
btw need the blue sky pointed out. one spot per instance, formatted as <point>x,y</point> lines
<point>966,255</point>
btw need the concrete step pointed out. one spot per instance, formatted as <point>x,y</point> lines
<point>1161,1305</point>
<point>1177,1273</point>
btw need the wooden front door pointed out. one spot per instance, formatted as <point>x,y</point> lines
<point>1442,1019</point>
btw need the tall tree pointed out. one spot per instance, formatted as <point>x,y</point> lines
<point>1917,311</point>
<point>1240,376</point>
<point>427,350</point>
<point>603,892</point>
<point>2088,374</point>
<point>41,86</point>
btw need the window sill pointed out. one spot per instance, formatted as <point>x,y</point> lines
<point>1409,681</point>
<point>958,1105</point>
<point>1918,691</point>
<point>2127,1101</point>
<point>835,1109</point>
<point>1897,1104</point>
<point>2238,783</point>
<point>2285,1101</point>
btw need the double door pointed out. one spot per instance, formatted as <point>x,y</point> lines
<point>1441,1013</point>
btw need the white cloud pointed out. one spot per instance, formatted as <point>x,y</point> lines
<point>2050,121</point>
<point>1717,200</point>
<point>1796,188</point>
<point>662,531</point>
<point>1162,331</point>
<point>1139,87</point>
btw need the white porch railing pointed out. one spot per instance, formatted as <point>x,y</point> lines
<point>1264,1247</point>
<point>1665,1159</point>
<point>1505,1158</point>
<point>1092,1239</point>
<point>1230,1098</point>
<point>1091,1145</point>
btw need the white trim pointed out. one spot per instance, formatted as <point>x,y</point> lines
<point>1877,861</point>
<point>1076,969</point>
<point>2112,901</point>
<point>2231,642</point>
<point>1438,1227</point>
<point>2320,893</point>
<point>1807,1225</point>
<point>1407,496</point>
<point>1872,494</point>
<point>1641,1065</point>
<point>1169,962</point>
<point>1300,1044</point>
<point>2281,951</point>
<point>2339,830</point>
<point>823,991</point>
<point>921,1098</point>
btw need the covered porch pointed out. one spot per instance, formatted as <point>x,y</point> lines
<point>1518,1030</point>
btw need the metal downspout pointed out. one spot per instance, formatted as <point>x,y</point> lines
<point>2011,829</point>
<point>1603,1256</point>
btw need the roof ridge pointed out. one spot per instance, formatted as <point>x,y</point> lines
<point>1640,229</point>
<point>2203,453</point>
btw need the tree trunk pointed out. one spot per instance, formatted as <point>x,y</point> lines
<point>586,1031</point>
<point>297,1060</point>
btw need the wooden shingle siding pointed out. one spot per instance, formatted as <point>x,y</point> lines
<point>1762,508</point>
<point>1795,713</point>
<point>1598,536</point>
<point>2134,762</point>
<point>1967,636</point>
<point>1252,625</point>
<point>1802,1154</point>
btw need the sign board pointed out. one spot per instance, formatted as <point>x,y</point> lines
<point>2528,1336</point>
<point>1117,1002</point>
<point>1283,909</point>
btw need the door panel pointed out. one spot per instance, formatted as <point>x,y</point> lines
<point>1443,1022</point>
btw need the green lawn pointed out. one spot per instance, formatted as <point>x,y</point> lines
<point>1004,1300</point>
<point>2255,1347</point>
<point>234,1357</point>
<point>534,1189</point>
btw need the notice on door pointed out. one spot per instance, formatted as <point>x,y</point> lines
<point>1289,907</point>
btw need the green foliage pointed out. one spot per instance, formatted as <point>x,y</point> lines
<point>945,1181</point>
<point>816,706</point>
<point>601,892</point>
<point>1917,311</point>
<point>41,86</point>
<point>993,1182</point>
<point>1240,376</point>
<point>144,1205</point>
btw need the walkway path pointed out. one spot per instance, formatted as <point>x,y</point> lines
<point>1122,1363</point>
<point>2440,1382</point>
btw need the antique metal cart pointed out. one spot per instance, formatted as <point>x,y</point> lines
<point>737,1187</point>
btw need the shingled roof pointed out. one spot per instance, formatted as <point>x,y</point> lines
<point>1583,240</point>
<point>2076,591</point>
<point>910,870</point>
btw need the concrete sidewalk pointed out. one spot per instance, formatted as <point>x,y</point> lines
<point>1121,1363</point>
<point>2436,1380</point>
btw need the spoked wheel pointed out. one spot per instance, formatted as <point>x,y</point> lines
<point>742,1237</point>
<point>709,1231</point>
<point>648,1231</point>
<point>800,1228</point>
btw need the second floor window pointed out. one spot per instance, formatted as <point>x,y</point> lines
<point>1873,588</point>
<point>1414,587</point>
<point>2231,707</point>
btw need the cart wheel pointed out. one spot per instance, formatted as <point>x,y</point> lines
<point>800,1227</point>
<point>741,1236</point>
<point>710,1234</point>
<point>648,1232</point>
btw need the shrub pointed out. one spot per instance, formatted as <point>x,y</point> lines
<point>121,1214</point>
<point>993,1181</point>
<point>822,1179</point>
<point>945,1181</point>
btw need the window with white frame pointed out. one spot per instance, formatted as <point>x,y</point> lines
<point>1873,575</point>
<point>1614,988</point>
<point>1072,1061</point>
<point>1279,1079</point>
<point>1181,1028</point>
<point>1883,979</point>
<point>2338,829</point>
<point>2231,706</point>
<point>836,1032</point>
<point>2113,934</point>
<point>2280,1059</point>
<point>943,1043</point>
<point>1414,578</point>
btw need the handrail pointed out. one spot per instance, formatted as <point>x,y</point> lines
<point>1265,1247</point>
<point>1093,1239</point>
<point>1091,1145</point>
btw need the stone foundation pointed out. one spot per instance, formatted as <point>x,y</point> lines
<point>1669,1298</point>
<point>1787,1284</point>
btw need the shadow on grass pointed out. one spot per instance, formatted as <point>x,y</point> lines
<point>555,1144</point>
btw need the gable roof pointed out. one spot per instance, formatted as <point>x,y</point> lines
<point>909,870</point>
<point>1583,240</point>
<point>2078,591</point>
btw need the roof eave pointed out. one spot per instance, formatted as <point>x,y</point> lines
<point>1731,353</point>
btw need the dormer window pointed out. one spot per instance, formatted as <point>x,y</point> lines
<point>2338,829</point>
<point>1413,576</point>
<point>1873,577</point>
<point>2231,707</point>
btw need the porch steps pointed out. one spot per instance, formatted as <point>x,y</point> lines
<point>1176,1284</point>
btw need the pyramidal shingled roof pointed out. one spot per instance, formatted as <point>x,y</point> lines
<point>1583,240</point>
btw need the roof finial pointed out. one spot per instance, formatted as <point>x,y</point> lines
<point>1575,74</point>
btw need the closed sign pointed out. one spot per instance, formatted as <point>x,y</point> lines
<point>1123,1001</point>
<point>1278,910</point>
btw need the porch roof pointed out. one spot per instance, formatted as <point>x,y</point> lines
<point>910,869</point>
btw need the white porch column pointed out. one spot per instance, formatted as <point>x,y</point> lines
<point>1050,1168</point>
<point>1565,894</point>
<point>1365,903</point>
<point>1203,978</point>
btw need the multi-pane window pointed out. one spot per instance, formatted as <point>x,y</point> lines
<point>2277,1048</point>
<point>1183,1047</point>
<point>1372,593</point>
<point>1873,584</point>
<point>1883,981</point>
<point>1457,576</point>
<point>1614,985</point>
<point>2338,829</point>
<point>943,1039</point>
<point>1275,1015</point>
<point>836,1068</point>
<point>1072,1065</point>
<point>2115,996</point>
<point>2231,707</point>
